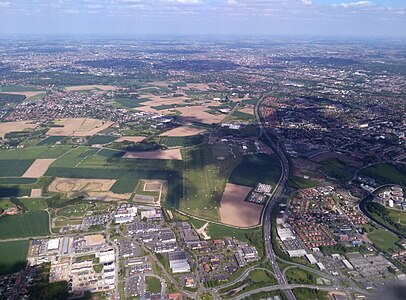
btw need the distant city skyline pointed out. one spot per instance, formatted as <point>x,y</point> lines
<point>375,18</point>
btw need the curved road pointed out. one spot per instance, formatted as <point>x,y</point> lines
<point>277,193</point>
<point>362,207</point>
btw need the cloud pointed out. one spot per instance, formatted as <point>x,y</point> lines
<point>186,1</point>
<point>354,4</point>
<point>232,2</point>
<point>307,2</point>
<point>4,4</point>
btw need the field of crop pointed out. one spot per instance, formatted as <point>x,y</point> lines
<point>17,180</point>
<point>14,167</point>
<point>17,88</point>
<point>180,141</point>
<point>14,191</point>
<point>257,168</point>
<point>124,185</point>
<point>24,225</point>
<point>34,152</point>
<point>51,140</point>
<point>131,103</point>
<point>13,256</point>
<point>101,139</point>
<point>205,177</point>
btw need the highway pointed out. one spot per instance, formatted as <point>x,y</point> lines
<point>277,193</point>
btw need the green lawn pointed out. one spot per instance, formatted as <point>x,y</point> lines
<point>383,239</point>
<point>73,211</point>
<point>153,284</point>
<point>398,216</point>
<point>34,204</point>
<point>24,225</point>
<point>254,169</point>
<point>5,204</point>
<point>13,256</point>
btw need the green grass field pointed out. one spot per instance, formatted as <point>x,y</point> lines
<point>254,169</point>
<point>130,103</point>
<point>35,204</point>
<point>101,139</point>
<point>24,225</point>
<point>179,141</point>
<point>34,152</point>
<point>386,173</point>
<point>205,176</point>
<point>334,167</point>
<point>299,276</point>
<point>153,284</point>
<point>306,294</point>
<point>124,185</point>
<point>383,239</point>
<point>14,167</point>
<point>17,88</point>
<point>73,211</point>
<point>51,140</point>
<point>398,216</point>
<point>14,191</point>
<point>17,180</point>
<point>6,204</point>
<point>13,256</point>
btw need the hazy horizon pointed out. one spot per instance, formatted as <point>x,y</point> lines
<point>308,18</point>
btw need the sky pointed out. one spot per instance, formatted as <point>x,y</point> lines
<point>352,18</point>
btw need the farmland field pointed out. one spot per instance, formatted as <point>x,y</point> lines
<point>124,185</point>
<point>14,191</point>
<point>101,139</point>
<point>24,225</point>
<point>176,141</point>
<point>14,167</point>
<point>5,204</point>
<point>257,168</point>
<point>34,152</point>
<point>13,256</point>
<point>51,140</point>
<point>17,180</point>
